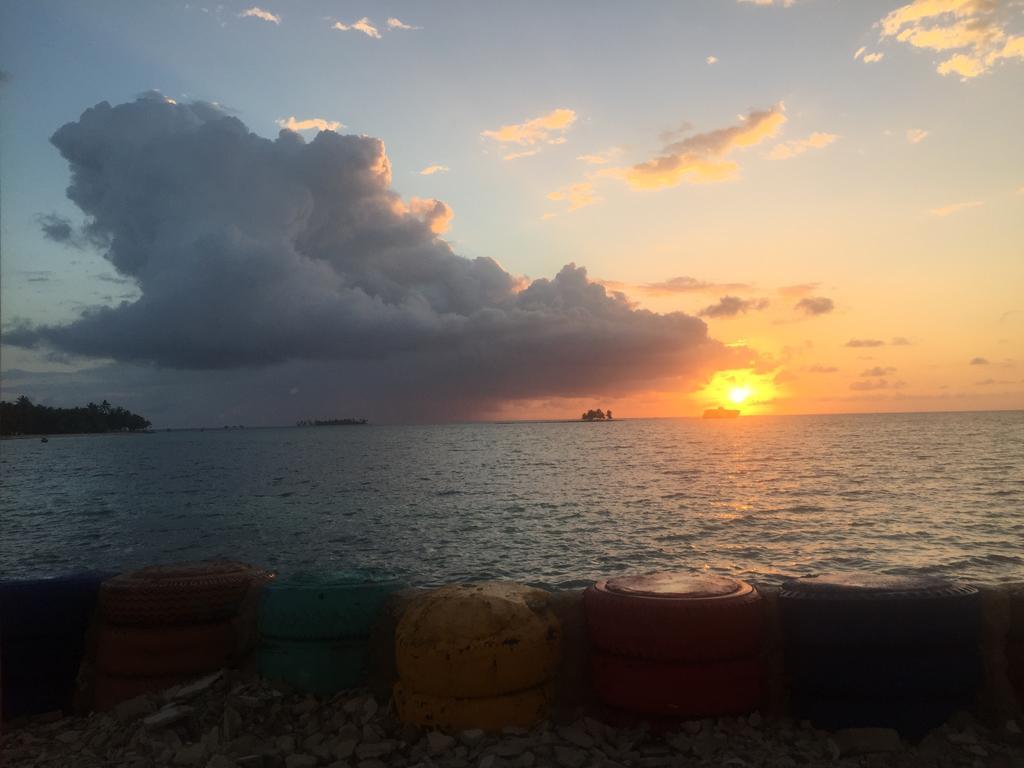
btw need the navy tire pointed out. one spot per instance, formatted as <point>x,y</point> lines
<point>913,717</point>
<point>323,607</point>
<point>946,673</point>
<point>867,611</point>
<point>45,607</point>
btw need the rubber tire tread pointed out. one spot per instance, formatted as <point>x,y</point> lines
<point>522,709</point>
<point>315,666</point>
<point>322,612</point>
<point>166,651</point>
<point>913,717</point>
<point>908,622</point>
<point>148,599</point>
<point>675,629</point>
<point>710,689</point>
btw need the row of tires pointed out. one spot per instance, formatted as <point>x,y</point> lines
<point>859,650</point>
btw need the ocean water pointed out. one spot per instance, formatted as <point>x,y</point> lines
<point>553,504</point>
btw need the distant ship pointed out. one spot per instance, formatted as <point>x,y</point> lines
<point>720,413</point>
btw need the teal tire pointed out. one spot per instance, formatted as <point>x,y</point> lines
<point>317,667</point>
<point>323,607</point>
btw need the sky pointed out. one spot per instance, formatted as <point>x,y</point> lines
<point>254,214</point>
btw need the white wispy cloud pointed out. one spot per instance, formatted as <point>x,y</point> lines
<point>394,23</point>
<point>518,155</point>
<point>916,135</point>
<point>711,60</point>
<point>549,128</point>
<point>871,58</point>
<point>796,147</point>
<point>974,33</point>
<point>952,208</point>
<point>294,124</point>
<point>364,25</point>
<point>858,53</point>
<point>258,13</point>
<point>430,170</point>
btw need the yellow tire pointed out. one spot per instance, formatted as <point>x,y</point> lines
<point>491,713</point>
<point>478,640</point>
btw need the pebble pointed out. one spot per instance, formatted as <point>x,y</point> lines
<point>472,737</point>
<point>863,741</point>
<point>193,754</point>
<point>438,742</point>
<point>300,761</point>
<point>568,757</point>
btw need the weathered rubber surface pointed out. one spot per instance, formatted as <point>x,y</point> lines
<point>1015,667</point>
<point>43,623</point>
<point>707,689</point>
<point>478,640</point>
<point>675,617</point>
<point>952,672</point>
<point>44,607</point>
<point>165,651</point>
<point>913,717</point>
<point>865,611</point>
<point>317,666</point>
<point>323,607</point>
<point>168,595</point>
<point>109,691</point>
<point>516,710</point>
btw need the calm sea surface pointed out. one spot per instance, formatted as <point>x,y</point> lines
<point>551,503</point>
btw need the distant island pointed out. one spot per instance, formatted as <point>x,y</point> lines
<point>332,423</point>
<point>721,413</point>
<point>23,417</point>
<point>597,415</point>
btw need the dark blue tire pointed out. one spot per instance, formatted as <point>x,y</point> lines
<point>913,717</point>
<point>868,611</point>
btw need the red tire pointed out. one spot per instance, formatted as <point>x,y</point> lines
<point>166,651</point>
<point>675,617</point>
<point>167,595</point>
<point>111,691</point>
<point>680,690</point>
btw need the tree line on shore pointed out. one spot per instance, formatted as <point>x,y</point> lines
<point>597,415</point>
<point>23,417</point>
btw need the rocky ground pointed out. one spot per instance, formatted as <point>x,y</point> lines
<point>225,722</point>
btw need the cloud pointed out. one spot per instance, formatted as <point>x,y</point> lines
<point>872,58</point>
<point>815,305</point>
<point>518,155</point>
<point>865,343</point>
<point>576,195</point>
<point>364,25</point>
<point>974,33</point>
<point>430,170</point>
<point>702,158</point>
<point>730,306</point>
<point>796,291</point>
<point>56,228</point>
<point>796,147</point>
<point>952,208</point>
<point>900,341</point>
<point>822,369</point>
<point>258,13</point>
<point>866,386</point>
<point>319,123</point>
<point>978,361</point>
<point>545,128</point>
<point>916,135</point>
<point>600,158</point>
<point>858,53</point>
<point>394,23</point>
<point>711,60</point>
<point>685,284</point>
<point>264,265</point>
<point>877,371</point>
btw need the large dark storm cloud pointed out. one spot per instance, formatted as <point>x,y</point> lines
<point>253,253</point>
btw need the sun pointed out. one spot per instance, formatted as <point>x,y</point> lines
<point>739,394</point>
